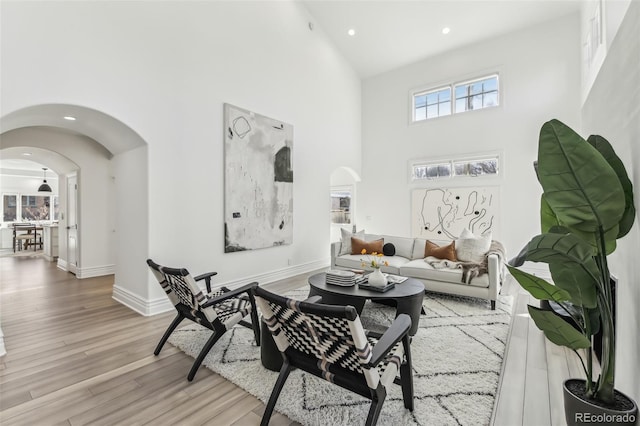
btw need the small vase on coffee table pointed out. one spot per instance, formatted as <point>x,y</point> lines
<point>377,279</point>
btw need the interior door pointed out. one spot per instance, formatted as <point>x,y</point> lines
<point>72,224</point>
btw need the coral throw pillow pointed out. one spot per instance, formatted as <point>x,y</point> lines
<point>371,246</point>
<point>445,252</point>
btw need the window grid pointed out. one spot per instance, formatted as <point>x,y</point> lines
<point>432,104</point>
<point>476,94</point>
<point>470,95</point>
<point>471,167</point>
<point>35,207</point>
<point>22,207</point>
<point>431,171</point>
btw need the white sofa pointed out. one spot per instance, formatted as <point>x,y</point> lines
<point>409,261</point>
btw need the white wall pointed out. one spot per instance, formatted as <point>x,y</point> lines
<point>612,110</point>
<point>131,230</point>
<point>540,79</point>
<point>165,69</point>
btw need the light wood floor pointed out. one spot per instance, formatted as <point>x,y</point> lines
<point>75,356</point>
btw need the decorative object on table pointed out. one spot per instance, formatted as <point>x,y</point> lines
<point>218,311</point>
<point>380,289</point>
<point>361,361</point>
<point>442,213</point>
<point>587,204</point>
<point>258,200</point>
<point>457,359</point>
<point>374,260</point>
<point>396,278</point>
<point>340,277</point>
<point>377,279</point>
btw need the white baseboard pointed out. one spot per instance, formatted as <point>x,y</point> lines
<point>139,304</point>
<point>157,306</point>
<point>279,274</point>
<point>95,271</point>
<point>62,264</point>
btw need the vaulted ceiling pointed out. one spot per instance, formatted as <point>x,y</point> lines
<point>393,33</point>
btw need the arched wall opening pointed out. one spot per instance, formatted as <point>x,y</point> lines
<point>112,171</point>
<point>343,185</point>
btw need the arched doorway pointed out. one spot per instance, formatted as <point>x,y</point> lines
<point>111,160</point>
<point>22,174</point>
<point>343,187</point>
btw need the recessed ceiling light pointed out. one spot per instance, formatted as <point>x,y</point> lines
<point>69,117</point>
<point>351,32</point>
<point>446,30</point>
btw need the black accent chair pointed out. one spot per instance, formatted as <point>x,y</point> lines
<point>218,311</point>
<point>329,342</point>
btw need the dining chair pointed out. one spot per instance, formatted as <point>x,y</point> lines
<point>23,233</point>
<point>217,310</point>
<point>329,342</point>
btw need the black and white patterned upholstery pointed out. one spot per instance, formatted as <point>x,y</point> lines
<point>330,342</point>
<point>217,310</point>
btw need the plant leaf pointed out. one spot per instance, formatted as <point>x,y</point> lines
<point>594,319</point>
<point>606,150</point>
<point>579,184</point>
<point>558,330</point>
<point>610,239</point>
<point>537,287</point>
<point>548,218</point>
<point>571,276</point>
<point>566,252</point>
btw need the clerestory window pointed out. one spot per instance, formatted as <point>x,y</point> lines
<point>477,94</point>
<point>483,92</point>
<point>488,165</point>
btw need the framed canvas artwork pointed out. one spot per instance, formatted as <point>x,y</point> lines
<point>442,213</point>
<point>258,180</point>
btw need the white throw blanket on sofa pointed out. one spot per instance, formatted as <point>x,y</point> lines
<point>470,270</point>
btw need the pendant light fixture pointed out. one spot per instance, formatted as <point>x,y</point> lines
<point>45,186</point>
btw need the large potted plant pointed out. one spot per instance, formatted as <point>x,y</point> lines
<point>586,205</point>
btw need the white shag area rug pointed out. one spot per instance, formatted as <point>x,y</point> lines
<point>457,358</point>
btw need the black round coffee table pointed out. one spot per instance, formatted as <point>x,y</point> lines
<point>406,296</point>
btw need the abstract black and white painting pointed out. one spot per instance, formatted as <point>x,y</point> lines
<point>258,179</point>
<point>442,213</point>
